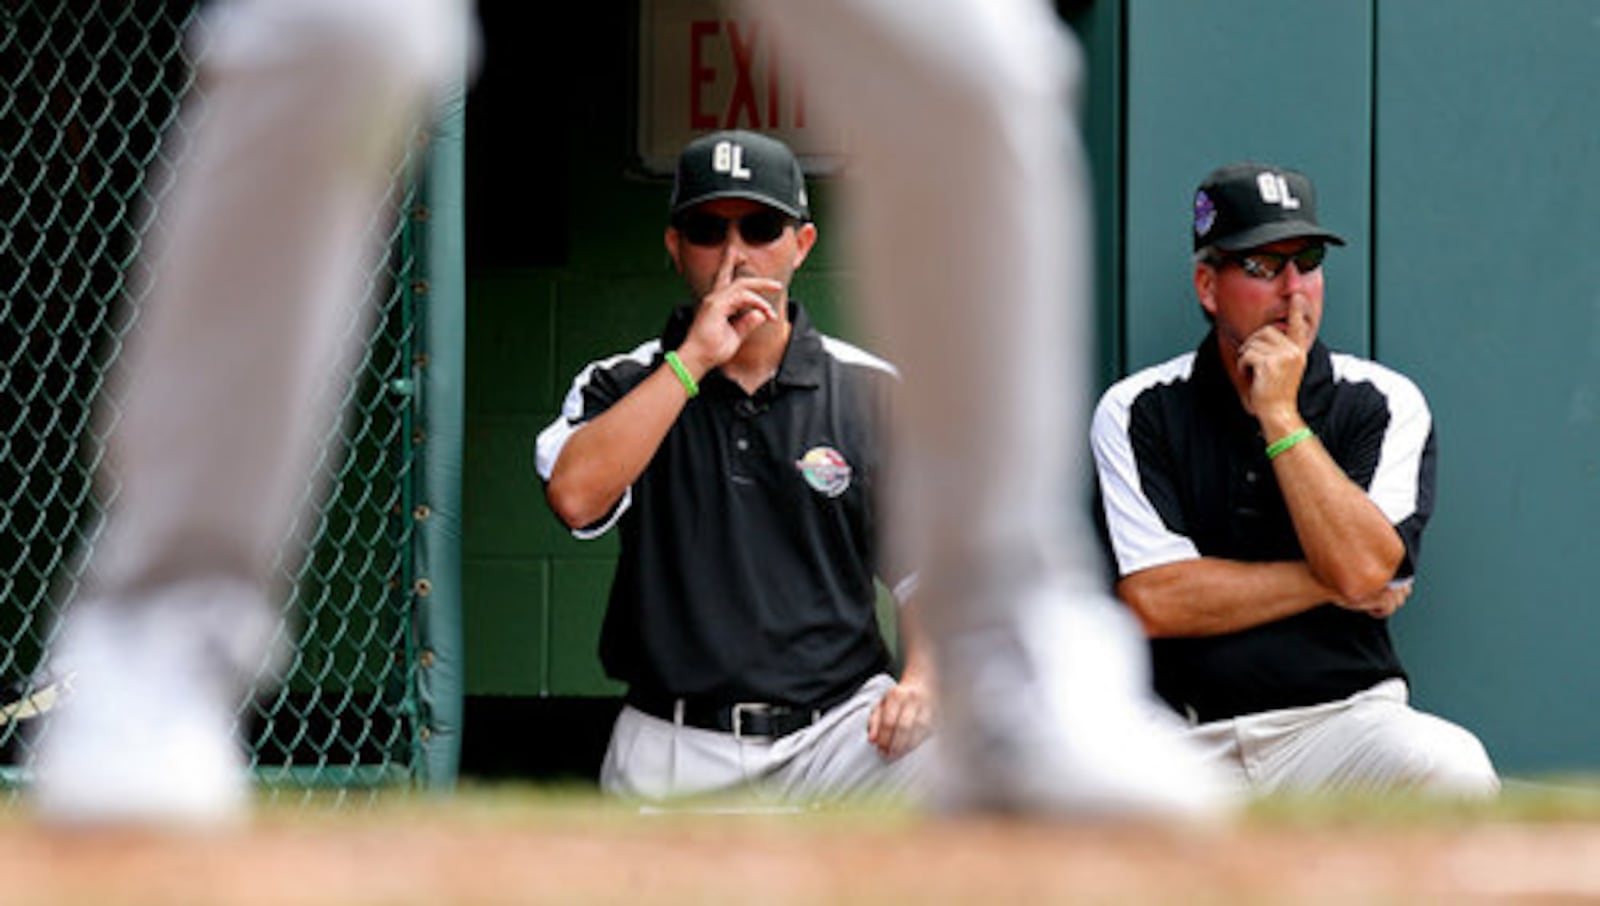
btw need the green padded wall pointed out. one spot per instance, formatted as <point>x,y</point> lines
<point>1455,144</point>
<point>1282,80</point>
<point>1487,203</point>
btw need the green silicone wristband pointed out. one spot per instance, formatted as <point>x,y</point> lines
<point>684,377</point>
<point>1281,445</point>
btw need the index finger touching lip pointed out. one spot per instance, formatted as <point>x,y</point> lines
<point>1300,319</point>
<point>725,269</point>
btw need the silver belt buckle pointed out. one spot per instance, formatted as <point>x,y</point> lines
<point>739,710</point>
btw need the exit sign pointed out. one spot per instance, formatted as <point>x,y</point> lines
<point>704,67</point>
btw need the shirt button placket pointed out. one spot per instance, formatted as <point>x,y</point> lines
<point>740,457</point>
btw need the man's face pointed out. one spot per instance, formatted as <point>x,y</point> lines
<point>762,241</point>
<point>1241,303</point>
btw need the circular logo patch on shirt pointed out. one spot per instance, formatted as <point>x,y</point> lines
<point>1205,213</point>
<point>826,470</point>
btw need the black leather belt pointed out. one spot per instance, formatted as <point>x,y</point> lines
<point>745,720</point>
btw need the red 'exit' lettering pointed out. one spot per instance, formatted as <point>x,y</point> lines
<point>745,47</point>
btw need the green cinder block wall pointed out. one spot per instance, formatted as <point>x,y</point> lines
<point>591,279</point>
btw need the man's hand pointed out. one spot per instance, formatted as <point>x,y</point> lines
<point>902,719</point>
<point>1384,602</point>
<point>1274,360</point>
<point>736,305</point>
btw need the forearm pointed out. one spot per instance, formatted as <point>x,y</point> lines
<point>1212,596</point>
<point>916,652</point>
<point>606,456</point>
<point>1348,542</point>
<point>904,717</point>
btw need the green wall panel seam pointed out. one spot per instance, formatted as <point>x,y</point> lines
<point>1372,182</point>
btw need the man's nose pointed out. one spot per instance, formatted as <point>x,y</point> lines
<point>736,237</point>
<point>735,253</point>
<point>1291,275</point>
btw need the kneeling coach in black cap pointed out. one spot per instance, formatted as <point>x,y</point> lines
<point>740,455</point>
<point>1265,499</point>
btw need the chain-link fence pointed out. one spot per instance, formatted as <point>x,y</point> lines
<point>90,88</point>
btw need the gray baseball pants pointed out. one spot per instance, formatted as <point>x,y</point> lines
<point>1373,740</point>
<point>654,759</point>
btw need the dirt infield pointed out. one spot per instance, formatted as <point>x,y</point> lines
<point>497,849</point>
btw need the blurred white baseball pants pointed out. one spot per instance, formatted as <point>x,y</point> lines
<point>254,281</point>
<point>970,199</point>
<point>259,259</point>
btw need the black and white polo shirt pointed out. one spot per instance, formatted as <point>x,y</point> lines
<point>1184,474</point>
<point>749,545</point>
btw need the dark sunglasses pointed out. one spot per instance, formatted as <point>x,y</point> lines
<point>758,228</point>
<point>1268,265</point>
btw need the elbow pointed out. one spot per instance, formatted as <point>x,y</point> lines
<point>1152,617</point>
<point>570,507</point>
<point>1156,625</point>
<point>580,494</point>
<point>1358,580</point>
<point>1360,585</point>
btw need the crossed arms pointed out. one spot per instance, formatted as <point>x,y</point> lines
<point>1352,551</point>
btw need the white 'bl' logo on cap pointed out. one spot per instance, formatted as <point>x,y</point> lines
<point>1275,190</point>
<point>727,157</point>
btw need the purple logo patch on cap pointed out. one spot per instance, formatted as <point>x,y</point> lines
<point>1205,213</point>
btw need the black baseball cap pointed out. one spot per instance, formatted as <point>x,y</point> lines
<point>740,164</point>
<point>1246,205</point>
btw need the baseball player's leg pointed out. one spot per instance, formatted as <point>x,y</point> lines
<point>970,200</point>
<point>258,280</point>
<point>1373,740</point>
<point>832,760</point>
<point>257,271</point>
